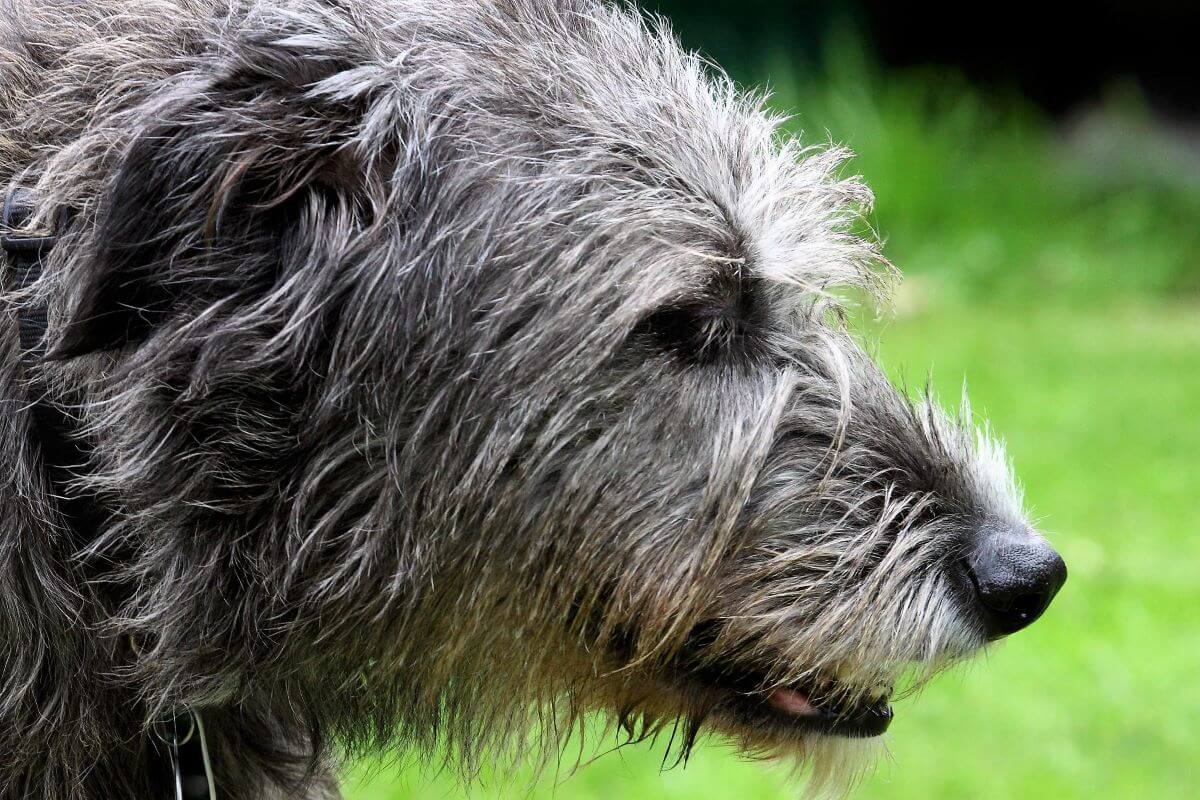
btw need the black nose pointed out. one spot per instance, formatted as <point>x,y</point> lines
<point>1016,574</point>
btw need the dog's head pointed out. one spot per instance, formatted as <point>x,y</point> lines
<point>482,358</point>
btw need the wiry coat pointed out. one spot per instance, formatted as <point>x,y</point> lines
<point>450,366</point>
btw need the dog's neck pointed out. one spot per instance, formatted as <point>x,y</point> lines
<point>178,738</point>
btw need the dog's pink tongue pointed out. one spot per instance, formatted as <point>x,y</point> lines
<point>789,701</point>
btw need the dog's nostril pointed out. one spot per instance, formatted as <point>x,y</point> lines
<point>1016,574</point>
<point>1029,606</point>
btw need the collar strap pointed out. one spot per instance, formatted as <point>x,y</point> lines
<point>25,251</point>
<point>54,429</point>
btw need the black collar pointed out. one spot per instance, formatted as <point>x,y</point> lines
<point>54,429</point>
<point>25,251</point>
<point>64,453</point>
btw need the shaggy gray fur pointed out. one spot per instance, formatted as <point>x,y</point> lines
<point>452,368</point>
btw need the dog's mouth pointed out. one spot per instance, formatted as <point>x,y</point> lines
<point>828,710</point>
<point>820,705</point>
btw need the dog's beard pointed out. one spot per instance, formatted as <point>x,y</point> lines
<point>834,766</point>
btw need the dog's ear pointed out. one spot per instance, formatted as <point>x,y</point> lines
<point>209,200</point>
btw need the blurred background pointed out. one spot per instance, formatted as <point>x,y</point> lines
<point>1037,171</point>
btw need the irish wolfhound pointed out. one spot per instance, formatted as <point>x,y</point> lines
<point>430,373</point>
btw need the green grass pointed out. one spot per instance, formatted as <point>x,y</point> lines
<point>1068,294</point>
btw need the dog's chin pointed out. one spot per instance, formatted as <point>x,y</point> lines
<point>826,732</point>
<point>829,744</point>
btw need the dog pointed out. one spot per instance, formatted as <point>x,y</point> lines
<point>430,374</point>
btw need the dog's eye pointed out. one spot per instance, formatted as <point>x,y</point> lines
<point>723,321</point>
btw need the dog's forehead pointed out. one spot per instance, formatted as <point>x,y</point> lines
<point>616,96</point>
